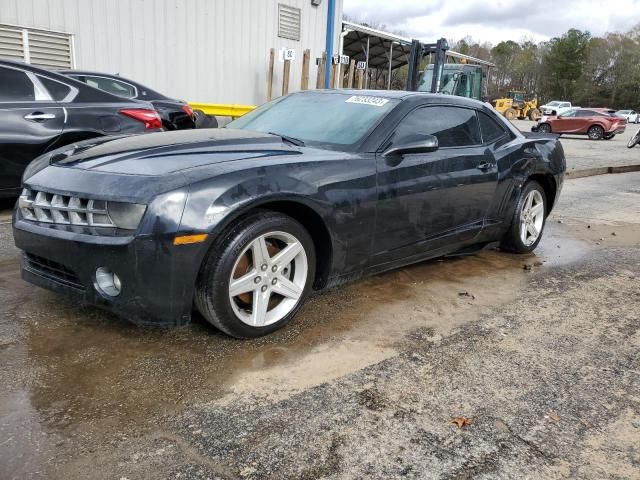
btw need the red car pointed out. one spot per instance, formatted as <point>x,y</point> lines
<point>596,123</point>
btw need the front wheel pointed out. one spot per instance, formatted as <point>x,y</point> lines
<point>528,220</point>
<point>254,282</point>
<point>634,140</point>
<point>534,114</point>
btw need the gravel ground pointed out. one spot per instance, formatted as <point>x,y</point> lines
<point>542,363</point>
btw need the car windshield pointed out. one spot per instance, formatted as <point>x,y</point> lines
<point>553,104</point>
<point>330,120</point>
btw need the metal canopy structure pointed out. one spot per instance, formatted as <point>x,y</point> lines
<point>383,50</point>
<point>366,44</point>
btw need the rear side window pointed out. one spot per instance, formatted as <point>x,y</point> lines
<point>110,85</point>
<point>58,91</point>
<point>452,126</point>
<point>491,130</point>
<point>16,86</point>
<point>585,113</point>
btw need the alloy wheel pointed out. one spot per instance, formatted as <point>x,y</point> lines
<point>531,218</point>
<point>595,133</point>
<point>268,279</point>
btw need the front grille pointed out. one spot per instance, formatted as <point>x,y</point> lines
<point>52,270</point>
<point>45,207</point>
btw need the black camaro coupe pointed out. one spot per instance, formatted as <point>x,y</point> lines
<point>303,193</point>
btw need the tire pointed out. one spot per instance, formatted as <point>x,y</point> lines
<point>515,240</point>
<point>205,121</point>
<point>510,114</point>
<point>609,136</point>
<point>595,132</point>
<point>534,114</point>
<point>232,259</point>
<point>634,140</point>
<point>544,128</point>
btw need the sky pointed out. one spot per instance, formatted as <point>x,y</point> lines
<point>494,21</point>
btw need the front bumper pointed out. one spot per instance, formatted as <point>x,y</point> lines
<point>157,277</point>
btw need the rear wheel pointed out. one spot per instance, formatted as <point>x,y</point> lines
<point>596,132</point>
<point>256,280</point>
<point>510,114</point>
<point>528,220</point>
<point>544,128</point>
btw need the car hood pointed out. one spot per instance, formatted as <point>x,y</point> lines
<point>157,154</point>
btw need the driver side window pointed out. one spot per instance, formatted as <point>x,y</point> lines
<point>452,126</point>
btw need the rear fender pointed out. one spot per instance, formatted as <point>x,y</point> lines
<point>543,157</point>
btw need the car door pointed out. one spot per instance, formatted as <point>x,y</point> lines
<point>566,123</point>
<point>584,120</point>
<point>427,200</point>
<point>30,121</point>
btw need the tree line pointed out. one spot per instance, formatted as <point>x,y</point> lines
<point>576,66</point>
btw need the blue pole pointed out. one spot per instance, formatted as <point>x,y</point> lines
<point>331,13</point>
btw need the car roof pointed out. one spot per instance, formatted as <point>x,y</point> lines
<point>94,93</point>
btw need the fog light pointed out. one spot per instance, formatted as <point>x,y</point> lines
<point>108,282</point>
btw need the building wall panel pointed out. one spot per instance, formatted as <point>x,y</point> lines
<point>213,51</point>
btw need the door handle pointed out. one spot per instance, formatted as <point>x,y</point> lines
<point>39,116</point>
<point>485,166</point>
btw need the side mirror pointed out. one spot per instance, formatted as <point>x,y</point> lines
<point>428,144</point>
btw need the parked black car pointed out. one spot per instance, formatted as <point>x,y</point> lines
<point>308,191</point>
<point>175,114</point>
<point>41,111</point>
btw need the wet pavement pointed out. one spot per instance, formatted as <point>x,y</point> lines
<point>364,383</point>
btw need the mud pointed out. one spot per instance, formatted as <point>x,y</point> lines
<point>84,388</point>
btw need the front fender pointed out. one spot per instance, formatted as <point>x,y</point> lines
<point>212,206</point>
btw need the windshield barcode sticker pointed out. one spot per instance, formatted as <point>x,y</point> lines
<point>363,99</point>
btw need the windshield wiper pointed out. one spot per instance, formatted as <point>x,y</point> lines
<point>294,141</point>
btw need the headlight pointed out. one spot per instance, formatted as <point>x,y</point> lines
<point>126,215</point>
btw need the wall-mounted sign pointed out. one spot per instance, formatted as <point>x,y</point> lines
<point>361,65</point>
<point>341,59</point>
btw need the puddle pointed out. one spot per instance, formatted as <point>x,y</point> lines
<point>80,373</point>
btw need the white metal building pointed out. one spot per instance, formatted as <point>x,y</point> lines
<point>214,51</point>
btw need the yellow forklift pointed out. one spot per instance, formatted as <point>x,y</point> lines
<point>517,105</point>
